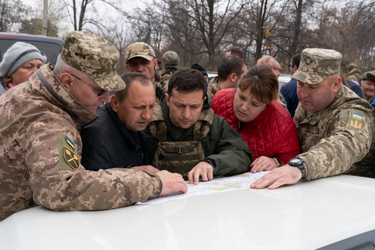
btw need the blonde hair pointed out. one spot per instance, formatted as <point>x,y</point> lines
<point>269,62</point>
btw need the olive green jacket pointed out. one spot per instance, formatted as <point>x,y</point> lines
<point>224,148</point>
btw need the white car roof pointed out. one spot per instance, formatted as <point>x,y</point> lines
<point>308,215</point>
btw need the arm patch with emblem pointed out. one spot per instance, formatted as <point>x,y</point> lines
<point>68,159</point>
<point>355,121</point>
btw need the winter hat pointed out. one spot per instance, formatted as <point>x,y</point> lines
<point>200,68</point>
<point>16,56</point>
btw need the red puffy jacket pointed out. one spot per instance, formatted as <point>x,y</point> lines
<point>272,133</point>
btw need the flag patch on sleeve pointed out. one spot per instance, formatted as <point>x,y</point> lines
<point>356,121</point>
<point>69,142</point>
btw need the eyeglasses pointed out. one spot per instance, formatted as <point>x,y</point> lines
<point>101,91</point>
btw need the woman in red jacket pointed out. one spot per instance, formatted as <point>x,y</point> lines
<point>264,124</point>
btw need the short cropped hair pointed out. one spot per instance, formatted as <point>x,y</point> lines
<point>262,83</point>
<point>236,51</point>
<point>129,78</point>
<point>296,60</point>
<point>229,65</point>
<point>187,80</point>
<point>269,62</point>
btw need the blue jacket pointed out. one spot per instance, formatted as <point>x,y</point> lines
<point>355,88</point>
<point>289,92</point>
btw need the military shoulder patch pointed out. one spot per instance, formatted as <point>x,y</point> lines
<point>68,159</point>
<point>71,158</point>
<point>356,121</point>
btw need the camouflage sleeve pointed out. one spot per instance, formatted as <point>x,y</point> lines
<point>226,150</point>
<point>59,182</point>
<point>349,142</point>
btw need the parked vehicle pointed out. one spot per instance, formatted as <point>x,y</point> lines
<point>50,46</point>
<point>307,215</point>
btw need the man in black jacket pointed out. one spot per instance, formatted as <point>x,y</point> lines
<point>116,138</point>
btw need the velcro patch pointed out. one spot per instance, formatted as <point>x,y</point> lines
<point>355,121</point>
<point>71,158</point>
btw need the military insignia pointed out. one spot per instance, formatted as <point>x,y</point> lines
<point>71,158</point>
<point>69,142</point>
<point>308,60</point>
<point>356,121</point>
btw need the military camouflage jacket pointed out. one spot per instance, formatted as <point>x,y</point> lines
<point>223,147</point>
<point>213,86</point>
<point>40,148</point>
<point>355,75</point>
<point>338,139</point>
<point>167,74</point>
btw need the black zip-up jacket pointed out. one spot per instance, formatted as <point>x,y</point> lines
<point>107,143</point>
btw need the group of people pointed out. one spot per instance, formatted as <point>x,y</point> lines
<point>77,136</point>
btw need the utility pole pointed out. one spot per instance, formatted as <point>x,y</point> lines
<point>45,14</point>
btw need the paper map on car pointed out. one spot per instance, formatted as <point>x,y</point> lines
<point>218,184</point>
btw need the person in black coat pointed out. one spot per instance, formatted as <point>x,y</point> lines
<point>116,139</point>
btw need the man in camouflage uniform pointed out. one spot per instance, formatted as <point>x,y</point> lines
<point>335,127</point>
<point>140,57</point>
<point>171,60</point>
<point>229,73</point>
<point>185,136</point>
<point>40,145</point>
<point>354,73</point>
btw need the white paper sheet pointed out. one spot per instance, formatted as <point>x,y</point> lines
<point>215,185</point>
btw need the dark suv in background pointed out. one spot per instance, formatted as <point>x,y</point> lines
<point>50,46</point>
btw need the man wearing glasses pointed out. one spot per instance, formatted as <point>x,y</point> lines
<point>40,145</point>
<point>368,87</point>
<point>335,127</point>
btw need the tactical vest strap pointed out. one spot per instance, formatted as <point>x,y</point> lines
<point>203,126</point>
<point>179,149</point>
<point>179,156</point>
<point>157,126</point>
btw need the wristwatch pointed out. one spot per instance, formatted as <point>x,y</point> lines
<point>300,164</point>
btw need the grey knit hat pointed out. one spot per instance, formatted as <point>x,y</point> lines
<point>16,56</point>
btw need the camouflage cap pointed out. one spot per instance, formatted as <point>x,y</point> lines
<point>139,49</point>
<point>171,58</point>
<point>94,56</point>
<point>369,76</point>
<point>352,66</point>
<point>317,64</point>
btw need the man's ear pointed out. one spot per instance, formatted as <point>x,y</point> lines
<point>233,77</point>
<point>167,98</point>
<point>114,103</point>
<point>156,64</point>
<point>336,84</point>
<point>66,80</point>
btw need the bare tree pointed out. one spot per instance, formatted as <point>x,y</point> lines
<point>11,13</point>
<point>115,31</point>
<point>201,21</point>
<point>83,12</point>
